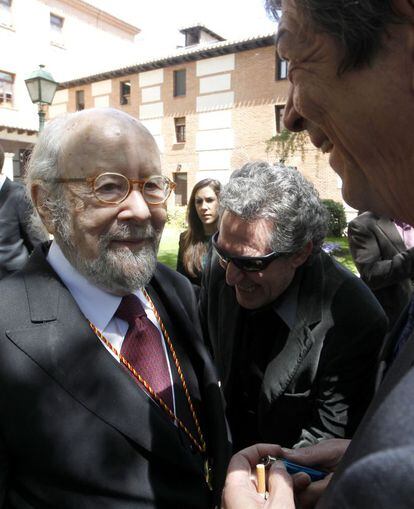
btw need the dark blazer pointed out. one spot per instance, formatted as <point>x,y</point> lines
<point>321,383</point>
<point>378,467</point>
<point>76,431</point>
<point>17,239</point>
<point>383,261</point>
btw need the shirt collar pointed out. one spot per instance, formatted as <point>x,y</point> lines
<point>286,305</point>
<point>98,305</point>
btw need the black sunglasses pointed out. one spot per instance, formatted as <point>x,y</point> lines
<point>246,263</point>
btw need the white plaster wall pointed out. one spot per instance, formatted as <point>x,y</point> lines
<point>214,159</point>
<point>154,125</point>
<point>101,88</point>
<point>61,96</point>
<point>57,109</point>
<point>222,175</point>
<point>151,94</point>
<point>89,46</point>
<point>102,101</point>
<point>214,140</point>
<point>160,143</point>
<point>215,101</point>
<point>215,65</point>
<point>215,83</point>
<point>151,110</point>
<point>214,120</point>
<point>149,78</point>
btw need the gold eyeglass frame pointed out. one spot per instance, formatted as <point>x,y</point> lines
<point>139,182</point>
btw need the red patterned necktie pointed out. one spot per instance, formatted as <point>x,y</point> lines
<point>142,348</point>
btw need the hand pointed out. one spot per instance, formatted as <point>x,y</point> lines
<point>325,455</point>
<point>240,490</point>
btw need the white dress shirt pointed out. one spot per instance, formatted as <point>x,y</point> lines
<point>2,180</point>
<point>99,306</point>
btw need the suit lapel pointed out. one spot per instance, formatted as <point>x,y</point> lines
<point>281,369</point>
<point>62,343</point>
<point>202,379</point>
<point>390,231</point>
<point>230,324</point>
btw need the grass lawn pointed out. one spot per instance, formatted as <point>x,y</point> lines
<point>169,248</point>
<point>168,251</point>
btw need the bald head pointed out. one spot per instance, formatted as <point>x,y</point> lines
<point>70,137</point>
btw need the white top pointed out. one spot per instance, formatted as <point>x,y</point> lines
<point>2,179</point>
<point>99,306</point>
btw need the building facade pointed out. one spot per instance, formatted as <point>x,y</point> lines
<point>52,33</point>
<point>211,106</point>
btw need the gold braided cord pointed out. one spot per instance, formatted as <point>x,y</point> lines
<point>201,446</point>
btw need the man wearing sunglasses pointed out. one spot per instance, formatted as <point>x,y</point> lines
<point>293,333</point>
<point>108,396</point>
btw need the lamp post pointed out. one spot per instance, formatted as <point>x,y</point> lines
<point>42,88</point>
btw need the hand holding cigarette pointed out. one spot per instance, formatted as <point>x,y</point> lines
<point>241,488</point>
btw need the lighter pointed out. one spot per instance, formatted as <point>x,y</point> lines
<point>294,468</point>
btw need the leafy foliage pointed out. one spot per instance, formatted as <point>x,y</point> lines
<point>286,144</point>
<point>337,218</point>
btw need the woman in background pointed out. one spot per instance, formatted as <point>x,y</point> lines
<point>202,220</point>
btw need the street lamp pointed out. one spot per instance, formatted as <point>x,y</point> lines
<point>42,88</point>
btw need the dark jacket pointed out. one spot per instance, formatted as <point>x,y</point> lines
<point>76,430</point>
<point>383,261</point>
<point>378,467</point>
<point>322,381</point>
<point>17,239</point>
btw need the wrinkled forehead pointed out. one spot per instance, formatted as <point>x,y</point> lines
<point>108,143</point>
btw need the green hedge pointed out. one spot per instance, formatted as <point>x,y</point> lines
<point>337,218</point>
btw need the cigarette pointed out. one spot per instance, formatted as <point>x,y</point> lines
<point>261,479</point>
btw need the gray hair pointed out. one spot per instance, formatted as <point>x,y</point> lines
<point>359,25</point>
<point>281,194</point>
<point>43,165</point>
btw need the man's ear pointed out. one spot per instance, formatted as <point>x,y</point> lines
<point>301,256</point>
<point>39,199</point>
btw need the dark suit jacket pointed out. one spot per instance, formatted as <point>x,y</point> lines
<point>383,261</point>
<point>378,468</point>
<point>76,431</point>
<point>17,239</point>
<point>322,381</point>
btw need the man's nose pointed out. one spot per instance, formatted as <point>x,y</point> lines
<point>233,274</point>
<point>292,120</point>
<point>134,207</point>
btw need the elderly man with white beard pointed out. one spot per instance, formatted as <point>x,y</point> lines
<point>108,397</point>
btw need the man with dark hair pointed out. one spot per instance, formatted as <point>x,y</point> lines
<point>17,238</point>
<point>351,71</point>
<point>276,310</point>
<point>383,252</point>
<point>108,396</point>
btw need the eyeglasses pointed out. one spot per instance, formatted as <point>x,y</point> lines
<point>114,188</point>
<point>246,263</point>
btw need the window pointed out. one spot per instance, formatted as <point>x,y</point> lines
<point>6,12</point>
<point>56,29</point>
<point>80,100</point>
<point>56,23</point>
<point>180,129</point>
<point>6,88</point>
<point>125,92</point>
<point>279,112</point>
<point>281,68</point>
<point>180,82</point>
